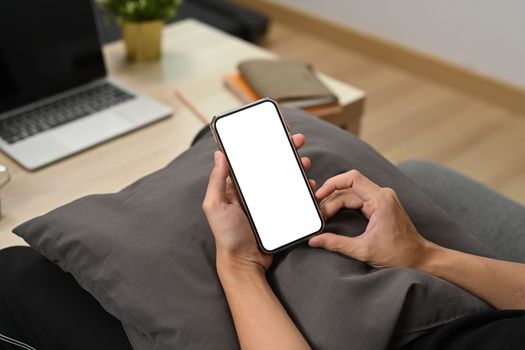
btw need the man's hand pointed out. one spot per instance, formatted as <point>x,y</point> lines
<point>241,266</point>
<point>390,239</point>
<point>234,239</point>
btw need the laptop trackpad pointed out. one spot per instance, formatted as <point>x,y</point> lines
<point>91,130</point>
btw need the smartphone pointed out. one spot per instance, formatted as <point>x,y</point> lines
<point>268,175</point>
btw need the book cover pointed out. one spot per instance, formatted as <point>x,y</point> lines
<point>236,84</point>
<point>289,82</point>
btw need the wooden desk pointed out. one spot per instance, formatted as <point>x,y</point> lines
<point>195,59</point>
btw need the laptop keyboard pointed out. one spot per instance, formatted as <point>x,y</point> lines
<point>30,122</point>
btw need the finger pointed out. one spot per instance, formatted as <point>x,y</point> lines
<point>230,189</point>
<point>353,179</point>
<point>344,195</point>
<point>307,163</point>
<point>217,182</point>
<point>336,243</point>
<point>298,140</point>
<point>333,204</point>
<point>313,184</point>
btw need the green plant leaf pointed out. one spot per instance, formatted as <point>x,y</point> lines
<point>141,10</point>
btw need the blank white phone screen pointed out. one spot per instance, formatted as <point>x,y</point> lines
<point>268,174</point>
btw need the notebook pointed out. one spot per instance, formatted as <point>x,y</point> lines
<point>236,84</point>
<point>291,83</point>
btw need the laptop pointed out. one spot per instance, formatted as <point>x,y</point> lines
<point>55,97</point>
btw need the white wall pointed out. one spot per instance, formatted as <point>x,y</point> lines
<point>485,36</point>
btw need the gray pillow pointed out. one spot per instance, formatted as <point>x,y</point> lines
<point>147,255</point>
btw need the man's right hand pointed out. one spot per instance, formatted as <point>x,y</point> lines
<point>390,239</point>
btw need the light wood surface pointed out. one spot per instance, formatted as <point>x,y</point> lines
<point>195,59</point>
<point>464,78</point>
<point>409,117</point>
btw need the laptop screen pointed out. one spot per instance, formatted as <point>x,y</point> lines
<point>46,47</point>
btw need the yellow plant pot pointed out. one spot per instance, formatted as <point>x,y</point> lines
<point>142,40</point>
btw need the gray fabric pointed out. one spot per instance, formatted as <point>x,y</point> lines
<point>495,220</point>
<point>147,254</point>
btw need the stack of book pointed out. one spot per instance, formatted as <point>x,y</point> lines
<point>291,83</point>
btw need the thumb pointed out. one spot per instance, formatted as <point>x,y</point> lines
<point>217,182</point>
<point>336,243</point>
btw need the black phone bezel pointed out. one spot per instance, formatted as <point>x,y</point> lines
<point>218,141</point>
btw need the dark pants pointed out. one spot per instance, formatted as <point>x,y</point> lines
<point>45,308</point>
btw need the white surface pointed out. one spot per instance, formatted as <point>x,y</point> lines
<point>485,36</point>
<point>263,162</point>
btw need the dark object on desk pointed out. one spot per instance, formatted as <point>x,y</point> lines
<point>147,255</point>
<point>224,15</point>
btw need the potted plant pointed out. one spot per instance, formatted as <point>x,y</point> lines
<point>141,22</point>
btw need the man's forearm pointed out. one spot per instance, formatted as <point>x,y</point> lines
<point>260,319</point>
<point>500,283</point>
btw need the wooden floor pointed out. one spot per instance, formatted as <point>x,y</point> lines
<point>408,117</point>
